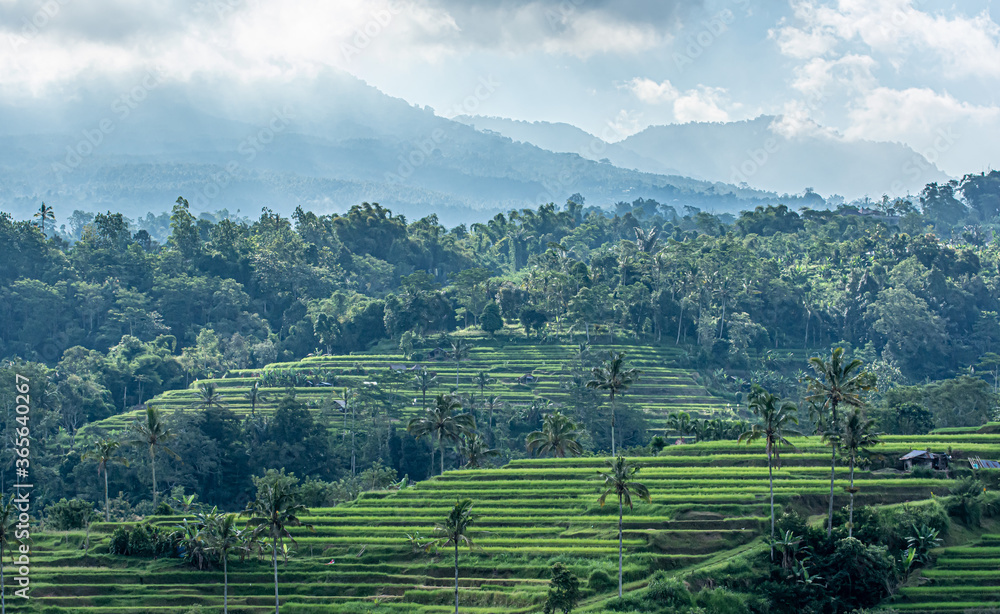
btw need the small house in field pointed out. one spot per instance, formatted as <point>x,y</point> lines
<point>526,379</point>
<point>924,458</point>
<point>437,354</point>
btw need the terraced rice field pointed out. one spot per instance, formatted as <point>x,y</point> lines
<point>708,500</point>
<point>963,578</point>
<point>661,390</point>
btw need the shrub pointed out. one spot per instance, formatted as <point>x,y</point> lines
<point>67,515</point>
<point>564,592</point>
<point>625,604</point>
<point>141,540</point>
<point>725,601</point>
<point>119,541</point>
<point>669,592</point>
<point>600,581</point>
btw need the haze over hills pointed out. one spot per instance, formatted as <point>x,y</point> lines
<point>767,153</point>
<point>325,144</point>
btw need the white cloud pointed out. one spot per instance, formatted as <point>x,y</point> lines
<point>701,104</point>
<point>851,73</point>
<point>651,92</point>
<point>912,114</point>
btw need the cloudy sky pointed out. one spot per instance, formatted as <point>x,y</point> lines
<point>923,72</point>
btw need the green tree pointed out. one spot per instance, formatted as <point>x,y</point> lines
<point>619,481</point>
<point>837,381</point>
<point>209,397</point>
<point>454,531</point>
<point>459,352</point>
<point>44,213</point>
<point>558,436</point>
<point>224,539</point>
<point>490,320</point>
<point>442,423</point>
<point>475,450</point>
<point>564,591</point>
<point>679,421</point>
<point>773,427</point>
<point>153,433</point>
<point>106,451</point>
<point>270,516</point>
<point>858,435</point>
<point>254,395</point>
<point>423,381</point>
<point>616,378</point>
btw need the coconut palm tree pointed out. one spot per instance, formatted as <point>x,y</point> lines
<point>558,436</point>
<point>459,352</point>
<point>620,482</point>
<point>492,403</point>
<point>44,213</point>
<point>152,432</point>
<point>482,380</point>
<point>775,418</point>
<point>8,527</point>
<point>857,436</point>
<point>106,451</point>
<point>423,381</point>
<point>454,531</point>
<point>209,396</point>
<point>442,423</point>
<point>224,539</point>
<point>476,450</point>
<point>679,421</point>
<point>270,516</point>
<point>254,395</point>
<point>836,382</point>
<point>614,377</point>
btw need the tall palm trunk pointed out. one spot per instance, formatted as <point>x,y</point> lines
<point>613,424</point>
<point>107,510</point>
<point>225,585</point>
<point>152,462</point>
<point>619,546</point>
<point>833,469</point>
<point>3,596</point>
<point>441,449</point>
<point>274,558</point>
<point>850,514</point>
<point>770,479</point>
<point>456,576</point>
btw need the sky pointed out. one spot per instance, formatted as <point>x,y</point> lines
<point>922,72</point>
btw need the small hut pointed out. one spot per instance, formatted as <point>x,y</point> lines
<point>924,458</point>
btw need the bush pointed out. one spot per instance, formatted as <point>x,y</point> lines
<point>564,591</point>
<point>724,601</point>
<point>625,604</point>
<point>68,515</point>
<point>600,582</point>
<point>141,540</point>
<point>119,541</point>
<point>669,592</point>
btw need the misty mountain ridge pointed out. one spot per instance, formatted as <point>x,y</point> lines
<point>766,153</point>
<point>324,143</point>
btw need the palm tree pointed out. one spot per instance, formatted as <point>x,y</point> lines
<point>105,452</point>
<point>270,515</point>
<point>774,417</point>
<point>44,213</point>
<point>476,450</point>
<point>209,397</point>
<point>858,435</point>
<point>223,538</point>
<point>253,395</point>
<point>558,436</point>
<point>459,351</point>
<point>455,531</point>
<point>680,422</point>
<point>620,481</point>
<point>482,380</point>
<point>153,432</point>
<point>8,527</point>
<point>442,423</point>
<point>837,382</point>
<point>492,403</point>
<point>423,381</point>
<point>615,378</point>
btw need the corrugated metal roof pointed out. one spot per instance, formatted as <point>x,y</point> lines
<point>915,454</point>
